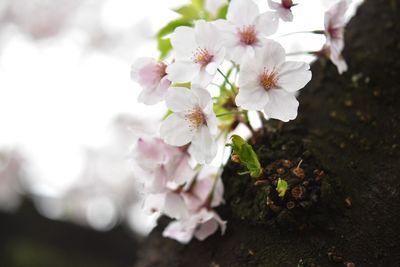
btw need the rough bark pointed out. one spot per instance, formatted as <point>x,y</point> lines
<point>349,127</point>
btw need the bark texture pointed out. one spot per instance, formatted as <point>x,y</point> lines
<point>349,127</point>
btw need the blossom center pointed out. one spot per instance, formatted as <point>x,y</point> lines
<point>202,56</point>
<point>268,79</point>
<point>161,69</point>
<point>248,35</point>
<point>196,117</point>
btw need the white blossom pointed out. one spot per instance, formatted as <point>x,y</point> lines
<point>268,83</point>
<point>197,52</point>
<point>245,29</point>
<point>193,121</point>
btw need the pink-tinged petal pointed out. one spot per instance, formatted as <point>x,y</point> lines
<point>242,12</point>
<point>335,16</point>
<point>206,229</point>
<point>149,151</point>
<point>282,105</point>
<point>179,99</point>
<point>285,14</point>
<point>179,231</point>
<point>218,194</point>
<point>153,96</point>
<point>203,148</point>
<point>274,5</point>
<point>176,131</point>
<point>144,71</point>
<point>183,42</point>
<point>267,23</point>
<point>339,61</point>
<point>175,207</point>
<point>182,71</point>
<point>210,224</point>
<point>293,76</point>
<point>252,98</point>
<point>180,171</point>
<point>198,194</point>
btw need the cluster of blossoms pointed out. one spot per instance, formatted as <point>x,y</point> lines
<point>267,82</point>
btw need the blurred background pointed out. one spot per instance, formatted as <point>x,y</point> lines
<point>69,118</point>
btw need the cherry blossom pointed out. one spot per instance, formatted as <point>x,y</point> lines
<point>193,121</point>
<point>245,29</point>
<point>269,83</point>
<point>334,31</point>
<point>200,225</point>
<point>164,166</point>
<point>197,52</point>
<point>151,75</point>
<point>283,9</point>
<point>206,191</point>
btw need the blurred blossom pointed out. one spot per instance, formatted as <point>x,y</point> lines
<point>11,174</point>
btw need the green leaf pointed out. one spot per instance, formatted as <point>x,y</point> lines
<point>164,46</point>
<point>199,4</point>
<point>189,12</point>
<point>281,187</point>
<point>247,156</point>
<point>222,12</point>
<point>172,25</point>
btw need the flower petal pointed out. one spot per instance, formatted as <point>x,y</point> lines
<point>242,12</point>
<point>182,71</point>
<point>175,207</point>
<point>179,99</point>
<point>203,148</point>
<point>184,43</point>
<point>176,131</point>
<point>293,76</point>
<point>153,96</point>
<point>267,23</point>
<point>252,97</point>
<point>179,231</point>
<point>282,105</point>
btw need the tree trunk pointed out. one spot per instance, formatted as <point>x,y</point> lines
<point>348,127</point>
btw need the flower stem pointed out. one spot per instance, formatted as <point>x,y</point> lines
<point>302,53</point>
<point>292,33</point>
<point>230,113</point>
<point>227,80</point>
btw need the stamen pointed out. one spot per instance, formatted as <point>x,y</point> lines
<point>268,79</point>
<point>202,56</point>
<point>248,35</point>
<point>196,117</point>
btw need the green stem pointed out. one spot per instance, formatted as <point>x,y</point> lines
<point>230,113</point>
<point>227,80</point>
<point>301,53</point>
<point>314,32</point>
